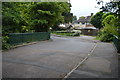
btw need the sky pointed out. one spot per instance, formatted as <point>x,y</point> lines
<point>84,7</point>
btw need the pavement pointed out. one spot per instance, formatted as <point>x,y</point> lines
<point>60,58</point>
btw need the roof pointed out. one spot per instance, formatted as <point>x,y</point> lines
<point>88,18</point>
<point>83,20</point>
<point>89,28</point>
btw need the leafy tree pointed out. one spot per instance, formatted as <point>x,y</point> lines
<point>110,24</point>
<point>82,17</point>
<point>15,18</point>
<point>68,17</point>
<point>106,14</point>
<point>34,16</point>
<point>24,9</point>
<point>113,7</point>
<point>110,28</point>
<point>96,20</point>
<point>48,14</point>
<point>10,17</point>
<point>20,17</point>
<point>74,18</point>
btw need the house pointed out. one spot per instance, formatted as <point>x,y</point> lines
<point>89,31</point>
<point>84,20</point>
<point>84,25</point>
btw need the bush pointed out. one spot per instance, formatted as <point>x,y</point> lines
<point>105,36</point>
<point>76,32</point>
<point>68,32</point>
<point>5,44</point>
<point>110,28</point>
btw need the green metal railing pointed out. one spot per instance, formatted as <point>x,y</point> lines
<point>116,42</point>
<point>19,38</point>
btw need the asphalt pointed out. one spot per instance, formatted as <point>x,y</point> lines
<point>59,56</point>
<point>103,63</point>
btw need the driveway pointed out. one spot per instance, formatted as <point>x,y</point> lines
<point>57,57</point>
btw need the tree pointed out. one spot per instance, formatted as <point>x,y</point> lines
<point>10,17</point>
<point>96,20</point>
<point>74,18</point>
<point>82,17</point>
<point>15,17</point>
<point>19,17</point>
<point>109,29</point>
<point>47,14</point>
<point>106,14</point>
<point>113,7</point>
<point>68,17</point>
<point>109,23</point>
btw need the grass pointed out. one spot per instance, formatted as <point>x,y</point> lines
<point>63,33</point>
<point>96,38</point>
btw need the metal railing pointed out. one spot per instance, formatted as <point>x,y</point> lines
<point>116,42</point>
<point>19,38</point>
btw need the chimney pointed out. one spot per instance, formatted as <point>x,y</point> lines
<point>91,14</point>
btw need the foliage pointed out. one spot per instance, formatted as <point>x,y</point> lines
<point>110,24</point>
<point>82,17</point>
<point>96,20</point>
<point>48,14</point>
<point>76,34</point>
<point>14,17</point>
<point>110,28</point>
<point>20,17</point>
<point>68,17</point>
<point>74,18</point>
<point>5,44</point>
<point>105,36</point>
<point>105,15</point>
<point>10,18</point>
<point>65,34</point>
<point>112,7</point>
<point>68,33</point>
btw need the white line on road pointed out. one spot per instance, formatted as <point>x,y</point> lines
<point>68,74</point>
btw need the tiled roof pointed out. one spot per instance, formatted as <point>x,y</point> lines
<point>83,20</point>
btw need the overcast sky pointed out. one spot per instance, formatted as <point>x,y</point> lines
<point>84,7</point>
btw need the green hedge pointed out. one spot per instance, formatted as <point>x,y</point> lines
<point>19,38</point>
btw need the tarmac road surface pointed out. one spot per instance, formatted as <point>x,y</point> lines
<point>57,57</point>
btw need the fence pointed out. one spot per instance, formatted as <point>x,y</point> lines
<point>19,38</point>
<point>116,42</point>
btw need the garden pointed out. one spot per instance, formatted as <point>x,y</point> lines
<point>108,22</point>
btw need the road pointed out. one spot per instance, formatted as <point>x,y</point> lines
<point>57,57</point>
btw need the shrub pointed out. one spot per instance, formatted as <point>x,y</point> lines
<point>109,24</point>
<point>76,32</point>
<point>68,32</point>
<point>5,44</point>
<point>109,29</point>
<point>105,36</point>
